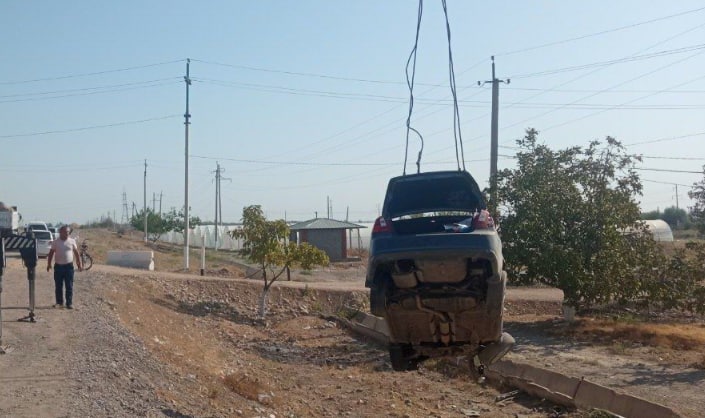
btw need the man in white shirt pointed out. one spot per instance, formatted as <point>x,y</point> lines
<point>66,252</point>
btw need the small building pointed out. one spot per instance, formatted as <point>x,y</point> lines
<point>329,235</point>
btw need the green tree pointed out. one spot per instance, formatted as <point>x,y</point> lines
<point>676,218</point>
<point>564,219</point>
<point>652,215</point>
<point>697,212</point>
<point>157,224</point>
<point>266,243</point>
<point>175,221</point>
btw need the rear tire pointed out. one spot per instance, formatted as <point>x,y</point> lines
<point>401,357</point>
<point>86,261</point>
<point>378,300</point>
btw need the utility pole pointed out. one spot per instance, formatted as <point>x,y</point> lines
<point>677,208</point>
<point>218,200</point>
<point>145,201</point>
<point>154,202</point>
<point>187,116</point>
<point>494,151</point>
<point>124,220</point>
<point>160,203</point>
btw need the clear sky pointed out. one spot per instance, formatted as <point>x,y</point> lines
<point>304,100</point>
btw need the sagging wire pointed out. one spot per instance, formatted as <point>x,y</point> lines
<point>410,84</point>
<point>457,135</point>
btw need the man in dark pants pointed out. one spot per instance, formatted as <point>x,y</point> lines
<point>66,252</point>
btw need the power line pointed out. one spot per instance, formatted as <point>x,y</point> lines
<point>63,170</point>
<point>598,69</point>
<point>447,102</point>
<point>288,162</point>
<point>667,182</point>
<point>90,74</point>
<point>665,139</point>
<point>613,62</point>
<point>270,162</point>
<point>85,128</point>
<point>669,65</point>
<point>31,99</point>
<point>109,86</point>
<point>302,74</point>
<point>672,158</point>
<point>667,170</point>
<point>600,91</point>
<point>603,32</point>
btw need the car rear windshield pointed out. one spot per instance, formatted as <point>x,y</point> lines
<point>432,194</point>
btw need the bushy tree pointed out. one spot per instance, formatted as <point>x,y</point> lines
<point>565,214</point>
<point>266,243</point>
<point>157,224</point>
<point>570,221</point>
<point>676,218</point>
<point>651,215</point>
<point>697,212</point>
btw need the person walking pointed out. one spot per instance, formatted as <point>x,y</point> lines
<point>66,252</point>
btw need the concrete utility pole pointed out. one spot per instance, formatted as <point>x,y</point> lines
<point>160,203</point>
<point>217,202</point>
<point>124,220</point>
<point>494,134</point>
<point>677,208</point>
<point>145,201</point>
<point>187,117</point>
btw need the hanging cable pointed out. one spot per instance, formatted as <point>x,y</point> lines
<point>410,84</point>
<point>457,135</point>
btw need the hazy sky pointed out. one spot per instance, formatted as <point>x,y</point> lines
<point>303,100</point>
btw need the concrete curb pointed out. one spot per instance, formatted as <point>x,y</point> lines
<point>136,259</point>
<point>556,387</point>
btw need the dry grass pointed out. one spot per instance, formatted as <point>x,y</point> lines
<point>669,336</point>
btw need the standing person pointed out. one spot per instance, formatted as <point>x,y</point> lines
<point>66,252</point>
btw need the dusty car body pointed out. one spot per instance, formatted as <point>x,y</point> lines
<point>435,271</point>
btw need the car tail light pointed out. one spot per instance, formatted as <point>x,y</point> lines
<point>483,220</point>
<point>381,225</point>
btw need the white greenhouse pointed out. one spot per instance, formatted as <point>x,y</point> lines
<point>660,230</point>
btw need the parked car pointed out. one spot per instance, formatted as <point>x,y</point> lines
<point>436,271</point>
<point>36,226</point>
<point>44,239</point>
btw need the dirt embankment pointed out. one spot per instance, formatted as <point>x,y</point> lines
<point>168,344</point>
